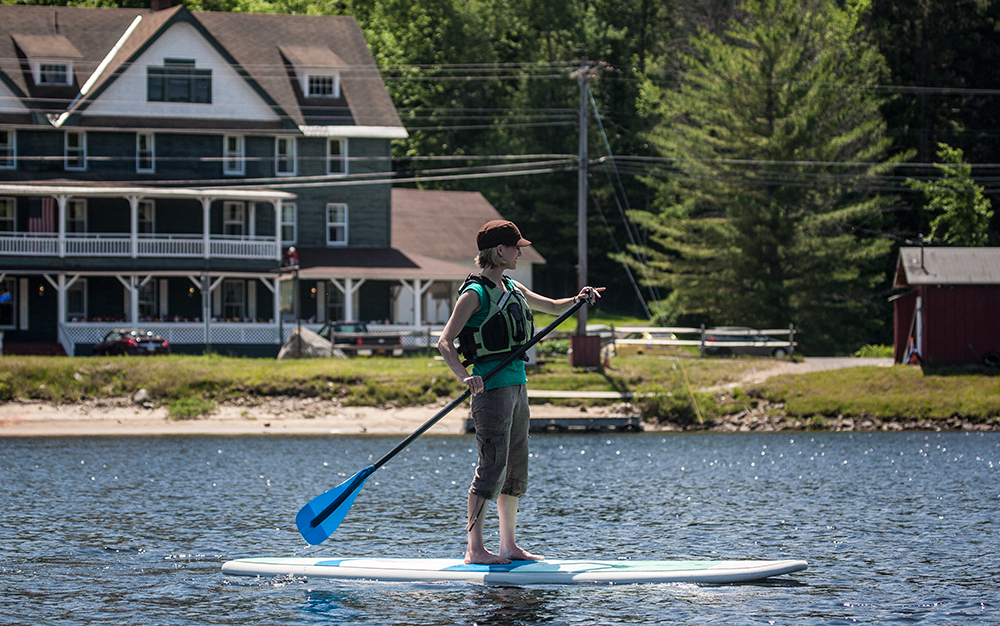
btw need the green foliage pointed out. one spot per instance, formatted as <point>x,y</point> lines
<point>553,347</point>
<point>764,218</point>
<point>964,214</point>
<point>189,407</point>
<point>870,351</point>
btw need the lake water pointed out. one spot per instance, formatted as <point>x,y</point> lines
<point>898,528</point>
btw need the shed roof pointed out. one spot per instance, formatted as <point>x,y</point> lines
<point>947,266</point>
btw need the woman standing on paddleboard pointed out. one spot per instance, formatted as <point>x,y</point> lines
<point>491,320</point>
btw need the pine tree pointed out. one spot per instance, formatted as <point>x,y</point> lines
<point>768,214</point>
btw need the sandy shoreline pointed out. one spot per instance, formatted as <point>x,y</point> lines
<point>273,416</point>
<point>308,416</point>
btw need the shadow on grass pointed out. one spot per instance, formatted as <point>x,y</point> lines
<point>960,370</point>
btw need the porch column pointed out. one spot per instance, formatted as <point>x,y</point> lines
<point>61,287</point>
<point>133,298</point>
<point>277,227</point>
<point>252,219</point>
<point>206,225</point>
<point>348,288</point>
<point>61,202</point>
<point>419,289</point>
<point>133,203</point>
<point>277,304</point>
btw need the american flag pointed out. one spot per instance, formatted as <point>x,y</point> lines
<point>42,216</point>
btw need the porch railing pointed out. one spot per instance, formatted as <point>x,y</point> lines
<point>28,244</point>
<point>157,245</point>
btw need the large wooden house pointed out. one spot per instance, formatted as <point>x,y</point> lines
<point>157,165</point>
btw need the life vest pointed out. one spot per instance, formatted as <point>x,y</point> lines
<point>509,324</point>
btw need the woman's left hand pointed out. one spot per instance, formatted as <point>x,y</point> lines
<point>590,294</point>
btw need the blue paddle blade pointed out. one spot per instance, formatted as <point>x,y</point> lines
<point>324,513</point>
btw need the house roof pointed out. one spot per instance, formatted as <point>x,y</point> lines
<point>46,46</point>
<point>375,264</point>
<point>109,40</point>
<point>420,247</point>
<point>443,224</point>
<point>947,266</point>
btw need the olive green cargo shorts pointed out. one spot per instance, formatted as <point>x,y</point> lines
<point>501,417</point>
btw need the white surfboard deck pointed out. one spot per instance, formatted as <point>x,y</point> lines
<point>555,571</point>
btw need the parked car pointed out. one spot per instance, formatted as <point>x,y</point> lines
<point>735,341</point>
<point>355,338</point>
<point>131,341</point>
<point>644,343</point>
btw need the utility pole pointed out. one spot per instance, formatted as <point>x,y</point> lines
<point>582,76</point>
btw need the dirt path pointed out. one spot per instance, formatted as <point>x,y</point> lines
<point>778,367</point>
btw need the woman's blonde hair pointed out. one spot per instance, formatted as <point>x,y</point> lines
<point>488,258</point>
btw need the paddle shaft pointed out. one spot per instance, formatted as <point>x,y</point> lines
<point>465,394</point>
<point>361,476</point>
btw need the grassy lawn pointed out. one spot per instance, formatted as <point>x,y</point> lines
<point>888,392</point>
<point>186,381</point>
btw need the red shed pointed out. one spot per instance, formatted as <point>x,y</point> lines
<point>950,313</point>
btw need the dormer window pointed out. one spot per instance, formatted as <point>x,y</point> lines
<point>317,70</point>
<point>321,86</point>
<point>53,74</point>
<point>50,58</point>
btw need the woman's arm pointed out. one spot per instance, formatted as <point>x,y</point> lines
<point>467,305</point>
<point>557,306</point>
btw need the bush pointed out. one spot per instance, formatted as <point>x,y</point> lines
<point>870,351</point>
<point>186,408</point>
<point>553,347</point>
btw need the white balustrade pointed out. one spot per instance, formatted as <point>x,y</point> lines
<point>28,244</point>
<point>98,244</point>
<point>149,245</point>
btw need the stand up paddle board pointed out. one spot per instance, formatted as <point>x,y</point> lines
<point>519,572</point>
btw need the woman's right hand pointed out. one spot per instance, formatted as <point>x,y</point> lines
<point>474,383</point>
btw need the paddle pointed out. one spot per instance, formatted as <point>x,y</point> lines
<point>318,519</point>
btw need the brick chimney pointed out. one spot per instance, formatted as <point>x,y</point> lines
<point>159,5</point>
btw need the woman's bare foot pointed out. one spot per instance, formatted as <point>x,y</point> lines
<point>484,557</point>
<point>517,554</point>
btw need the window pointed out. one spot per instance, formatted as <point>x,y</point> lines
<point>8,303</point>
<point>8,150</point>
<point>147,217</point>
<point>336,156</point>
<point>336,224</point>
<point>288,212</point>
<point>323,86</point>
<point>334,303</point>
<point>76,216</point>
<point>53,74</point>
<point>147,300</point>
<point>144,152</point>
<point>233,161</point>
<point>178,81</point>
<point>232,218</point>
<point>8,215</point>
<point>233,299</point>
<point>76,151</point>
<point>284,156</point>
<point>76,300</point>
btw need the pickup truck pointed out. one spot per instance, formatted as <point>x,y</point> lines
<point>355,338</point>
